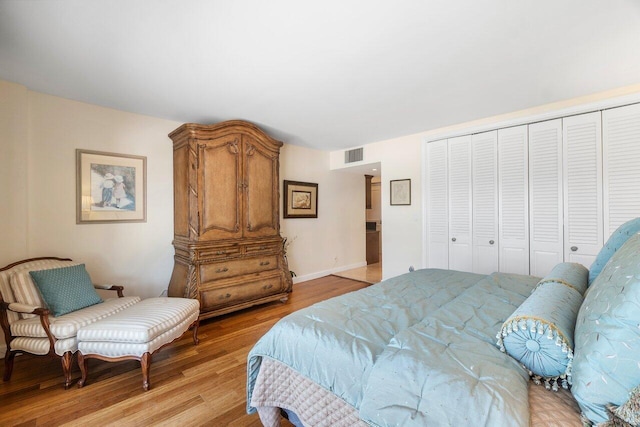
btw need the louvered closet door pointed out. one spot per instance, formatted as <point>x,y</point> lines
<point>437,206</point>
<point>513,200</point>
<point>545,196</point>
<point>485,202</point>
<point>460,193</point>
<point>621,166</point>
<point>583,222</point>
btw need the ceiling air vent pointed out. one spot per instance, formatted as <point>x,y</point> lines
<point>354,155</point>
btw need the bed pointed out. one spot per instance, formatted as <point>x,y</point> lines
<point>428,348</point>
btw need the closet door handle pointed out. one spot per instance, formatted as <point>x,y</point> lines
<point>574,248</point>
<point>453,239</point>
<point>491,242</point>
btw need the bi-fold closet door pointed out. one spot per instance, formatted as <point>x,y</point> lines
<point>545,196</point>
<point>582,177</point>
<point>484,179</point>
<point>565,191</point>
<point>513,197</point>
<point>437,205</point>
<point>460,195</point>
<point>620,165</point>
<point>549,192</point>
<point>462,203</point>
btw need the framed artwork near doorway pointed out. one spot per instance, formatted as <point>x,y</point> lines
<point>300,199</point>
<point>400,192</point>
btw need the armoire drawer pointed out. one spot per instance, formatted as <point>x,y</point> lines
<point>219,253</point>
<point>214,298</point>
<point>236,267</point>
<point>262,248</point>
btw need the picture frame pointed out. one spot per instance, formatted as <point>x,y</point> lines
<point>400,192</point>
<point>300,199</point>
<point>110,187</point>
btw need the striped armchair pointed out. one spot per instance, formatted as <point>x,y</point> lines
<point>28,324</point>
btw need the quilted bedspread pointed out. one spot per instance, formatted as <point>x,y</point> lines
<point>415,350</point>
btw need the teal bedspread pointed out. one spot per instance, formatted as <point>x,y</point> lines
<point>415,350</point>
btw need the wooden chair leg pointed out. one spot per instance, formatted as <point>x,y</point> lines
<point>196,340</point>
<point>145,364</point>
<point>67,361</point>
<point>8,364</point>
<point>83,364</point>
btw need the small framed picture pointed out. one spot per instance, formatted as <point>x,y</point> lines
<point>300,199</point>
<point>110,187</point>
<point>400,192</point>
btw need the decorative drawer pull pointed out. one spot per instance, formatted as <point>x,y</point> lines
<point>453,239</point>
<point>491,242</point>
<point>262,248</point>
<point>221,252</point>
<point>265,287</point>
<point>262,263</point>
<point>225,296</point>
<point>222,270</point>
<point>574,248</point>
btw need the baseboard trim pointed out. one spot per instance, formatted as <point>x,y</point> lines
<point>323,273</point>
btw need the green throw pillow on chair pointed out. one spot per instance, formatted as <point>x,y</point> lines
<point>66,289</point>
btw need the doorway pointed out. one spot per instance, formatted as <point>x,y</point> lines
<point>372,272</point>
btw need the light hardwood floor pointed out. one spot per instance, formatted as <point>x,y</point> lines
<point>203,385</point>
<point>371,273</point>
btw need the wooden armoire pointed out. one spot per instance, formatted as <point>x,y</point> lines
<point>228,250</point>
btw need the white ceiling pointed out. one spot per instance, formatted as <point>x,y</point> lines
<point>327,74</point>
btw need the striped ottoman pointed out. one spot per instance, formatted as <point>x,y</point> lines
<point>137,332</point>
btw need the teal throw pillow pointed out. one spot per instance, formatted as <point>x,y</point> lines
<point>617,239</point>
<point>606,366</point>
<point>66,289</point>
<point>539,334</point>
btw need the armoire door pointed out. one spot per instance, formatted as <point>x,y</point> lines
<point>513,199</point>
<point>218,190</point>
<point>485,201</point>
<point>260,189</point>
<point>620,166</point>
<point>460,204</point>
<point>437,206</point>
<point>582,170</point>
<point>545,196</point>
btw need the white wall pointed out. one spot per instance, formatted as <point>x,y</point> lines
<point>137,255</point>
<point>401,225</point>
<point>13,172</point>
<point>335,240</point>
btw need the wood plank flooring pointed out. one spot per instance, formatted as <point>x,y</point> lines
<point>202,385</point>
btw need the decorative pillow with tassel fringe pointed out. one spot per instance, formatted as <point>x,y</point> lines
<point>539,334</point>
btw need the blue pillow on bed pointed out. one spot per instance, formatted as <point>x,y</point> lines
<point>539,334</point>
<point>617,239</point>
<point>606,367</point>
